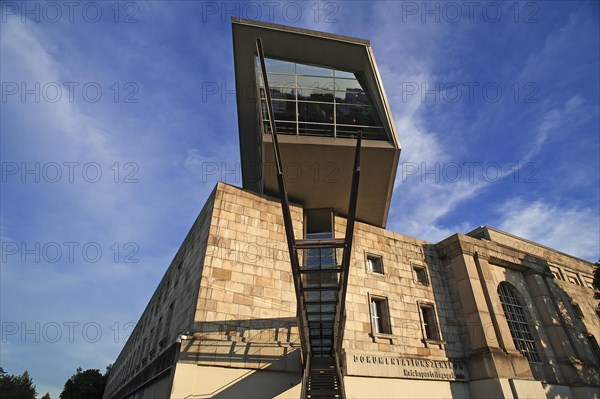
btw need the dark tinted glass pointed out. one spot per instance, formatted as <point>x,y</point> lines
<point>315,112</point>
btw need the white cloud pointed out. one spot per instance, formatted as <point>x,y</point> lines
<point>556,120</point>
<point>569,229</point>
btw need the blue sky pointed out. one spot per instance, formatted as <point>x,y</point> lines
<point>117,121</point>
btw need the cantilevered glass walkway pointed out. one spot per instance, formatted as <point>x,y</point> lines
<point>317,101</point>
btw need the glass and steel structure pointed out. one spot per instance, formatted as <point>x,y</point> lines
<point>318,101</point>
<point>517,323</point>
<point>320,281</point>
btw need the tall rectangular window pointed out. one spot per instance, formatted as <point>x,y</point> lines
<point>517,323</point>
<point>380,316</point>
<point>429,322</point>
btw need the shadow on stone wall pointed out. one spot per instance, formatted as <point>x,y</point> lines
<point>271,345</point>
<point>581,366</point>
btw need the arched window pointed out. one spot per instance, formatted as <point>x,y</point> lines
<point>517,322</point>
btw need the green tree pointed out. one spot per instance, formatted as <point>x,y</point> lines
<point>88,384</point>
<point>16,386</point>
<point>46,396</point>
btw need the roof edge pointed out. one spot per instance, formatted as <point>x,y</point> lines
<point>285,28</point>
<point>486,227</point>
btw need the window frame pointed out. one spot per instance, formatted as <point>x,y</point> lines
<point>386,316</point>
<point>517,318</point>
<point>437,340</point>
<point>427,282</point>
<point>577,310</point>
<point>368,256</point>
<point>314,84</point>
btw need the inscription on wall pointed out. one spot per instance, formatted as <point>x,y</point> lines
<point>406,367</point>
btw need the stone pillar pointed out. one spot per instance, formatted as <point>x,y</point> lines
<point>561,370</point>
<point>491,351</point>
<point>505,341</point>
<point>479,326</point>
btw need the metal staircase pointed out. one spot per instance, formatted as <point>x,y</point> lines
<point>320,280</point>
<point>323,379</point>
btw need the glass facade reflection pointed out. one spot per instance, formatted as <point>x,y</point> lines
<point>315,101</point>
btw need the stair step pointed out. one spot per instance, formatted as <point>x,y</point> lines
<point>324,394</point>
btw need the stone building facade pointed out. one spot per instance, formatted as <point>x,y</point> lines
<point>222,322</point>
<point>241,312</point>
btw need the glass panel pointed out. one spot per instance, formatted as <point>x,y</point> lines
<point>320,279</point>
<point>315,95</point>
<point>357,115</point>
<point>284,110</point>
<point>327,258</point>
<point>277,80</point>
<point>310,129</point>
<point>302,69</point>
<point>348,85</point>
<point>343,74</point>
<point>324,295</point>
<point>278,66</point>
<point>374,133</point>
<point>375,316</point>
<point>328,296</point>
<point>328,307</point>
<point>315,112</point>
<point>313,317</point>
<point>281,93</point>
<point>430,323</point>
<point>312,296</point>
<point>318,259</point>
<point>312,82</point>
<point>327,317</point>
<point>312,259</point>
<point>352,97</point>
<point>312,308</point>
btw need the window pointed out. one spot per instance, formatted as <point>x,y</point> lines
<point>318,225</point>
<point>517,323</point>
<point>429,322</point>
<point>374,264</point>
<point>380,316</point>
<point>594,344</point>
<point>318,101</point>
<point>577,310</point>
<point>420,275</point>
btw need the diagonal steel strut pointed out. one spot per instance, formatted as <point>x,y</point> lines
<point>285,206</point>
<point>293,246</point>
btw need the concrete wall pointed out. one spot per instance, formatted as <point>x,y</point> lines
<point>199,381</point>
<point>230,286</point>
<point>386,388</point>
